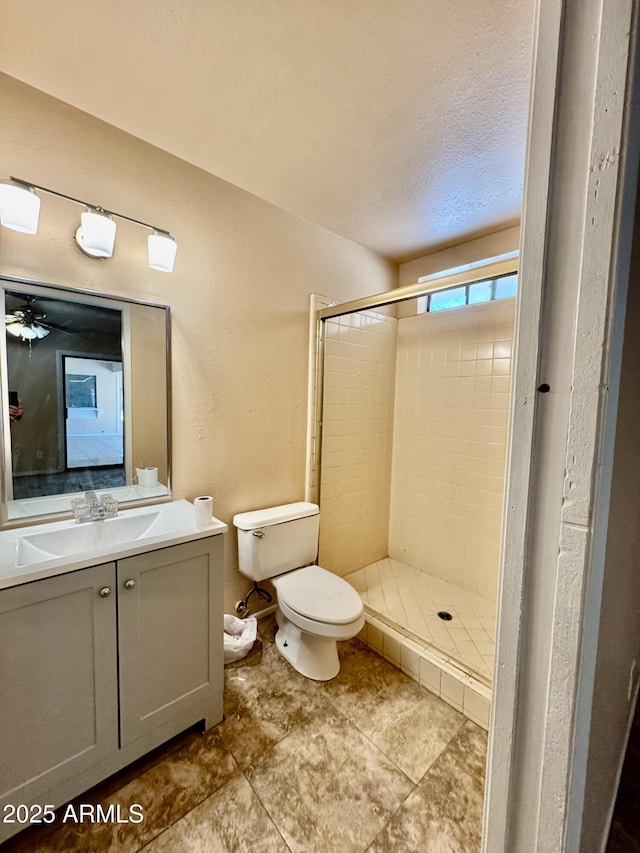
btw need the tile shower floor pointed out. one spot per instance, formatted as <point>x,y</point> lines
<point>370,761</point>
<point>411,599</point>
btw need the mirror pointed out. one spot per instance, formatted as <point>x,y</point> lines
<point>85,397</point>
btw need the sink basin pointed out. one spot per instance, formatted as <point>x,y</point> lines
<point>91,536</point>
<point>46,550</point>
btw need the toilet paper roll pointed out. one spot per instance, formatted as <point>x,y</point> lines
<point>147,477</point>
<point>204,511</point>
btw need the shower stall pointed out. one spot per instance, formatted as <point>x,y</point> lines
<point>411,397</point>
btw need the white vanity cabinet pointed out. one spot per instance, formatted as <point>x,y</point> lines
<point>102,664</point>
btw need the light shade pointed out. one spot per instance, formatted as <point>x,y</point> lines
<point>27,333</point>
<point>97,234</point>
<point>19,207</point>
<point>162,251</point>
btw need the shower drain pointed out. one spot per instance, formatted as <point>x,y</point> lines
<point>443,614</point>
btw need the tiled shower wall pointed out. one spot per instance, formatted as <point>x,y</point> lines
<point>357,434</point>
<point>449,445</point>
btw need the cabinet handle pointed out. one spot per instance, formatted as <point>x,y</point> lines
<point>105,592</point>
<point>130,584</point>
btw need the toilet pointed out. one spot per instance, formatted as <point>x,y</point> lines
<point>315,607</point>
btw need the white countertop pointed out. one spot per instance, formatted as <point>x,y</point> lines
<point>177,524</point>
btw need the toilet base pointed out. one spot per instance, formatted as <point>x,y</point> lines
<point>311,656</point>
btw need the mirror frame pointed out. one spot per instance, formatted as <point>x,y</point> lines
<point>87,297</point>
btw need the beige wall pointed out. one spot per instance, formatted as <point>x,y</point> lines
<point>359,380</point>
<point>449,444</point>
<point>239,293</point>
<point>489,246</point>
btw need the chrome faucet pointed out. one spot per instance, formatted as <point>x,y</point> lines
<point>91,498</point>
<point>92,508</point>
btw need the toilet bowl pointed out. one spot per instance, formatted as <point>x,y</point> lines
<point>316,608</point>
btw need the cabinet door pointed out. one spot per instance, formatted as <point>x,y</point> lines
<point>58,680</point>
<point>171,637</point>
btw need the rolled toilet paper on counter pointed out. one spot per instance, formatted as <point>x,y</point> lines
<point>147,477</point>
<point>204,511</point>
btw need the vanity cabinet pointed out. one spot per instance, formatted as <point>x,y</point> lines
<point>170,638</point>
<point>58,681</point>
<point>102,664</point>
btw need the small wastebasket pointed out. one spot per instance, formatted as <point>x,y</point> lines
<point>239,636</point>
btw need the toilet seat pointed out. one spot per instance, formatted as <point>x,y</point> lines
<point>319,596</point>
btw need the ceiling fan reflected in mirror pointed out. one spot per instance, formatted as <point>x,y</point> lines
<point>27,324</point>
<point>27,320</point>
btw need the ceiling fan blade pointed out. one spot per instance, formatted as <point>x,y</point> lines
<point>65,329</point>
<point>60,328</point>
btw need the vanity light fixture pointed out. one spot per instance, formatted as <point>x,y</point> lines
<point>20,209</point>
<point>19,206</point>
<point>97,234</point>
<point>162,251</point>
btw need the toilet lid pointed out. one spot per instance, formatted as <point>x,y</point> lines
<point>319,595</point>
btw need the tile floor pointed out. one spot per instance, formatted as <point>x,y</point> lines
<point>369,761</point>
<point>412,598</point>
<point>429,668</point>
<point>78,480</point>
<point>83,451</point>
<point>625,826</point>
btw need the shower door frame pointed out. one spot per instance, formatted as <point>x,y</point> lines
<point>490,270</point>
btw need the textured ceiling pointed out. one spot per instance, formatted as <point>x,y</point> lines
<point>399,124</point>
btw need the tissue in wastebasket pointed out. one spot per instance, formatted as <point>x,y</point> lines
<point>239,636</point>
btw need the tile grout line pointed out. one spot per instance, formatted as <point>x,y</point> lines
<point>416,785</point>
<point>375,745</point>
<point>267,812</point>
<point>379,748</point>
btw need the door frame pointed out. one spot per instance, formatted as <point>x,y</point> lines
<point>61,355</point>
<point>581,179</point>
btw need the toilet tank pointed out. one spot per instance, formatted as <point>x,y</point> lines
<point>276,540</point>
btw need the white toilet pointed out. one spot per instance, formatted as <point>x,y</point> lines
<point>315,607</point>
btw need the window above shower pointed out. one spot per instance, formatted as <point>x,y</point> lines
<point>462,296</point>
